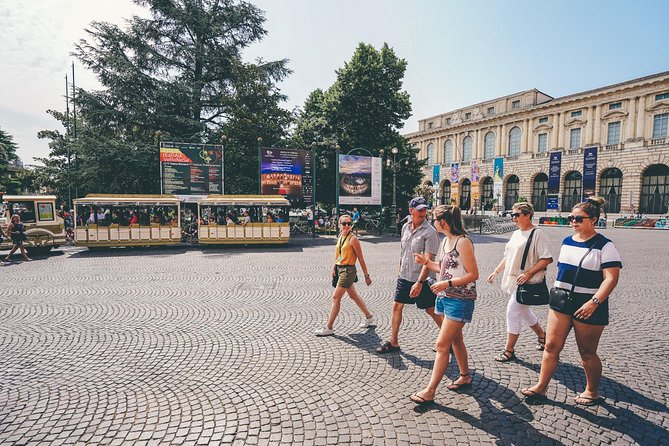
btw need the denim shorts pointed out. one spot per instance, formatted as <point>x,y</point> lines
<point>459,310</point>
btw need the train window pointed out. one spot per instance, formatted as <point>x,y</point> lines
<point>45,211</point>
<point>25,209</point>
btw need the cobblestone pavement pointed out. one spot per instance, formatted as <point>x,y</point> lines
<point>195,345</point>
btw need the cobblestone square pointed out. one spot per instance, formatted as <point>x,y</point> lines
<point>194,345</point>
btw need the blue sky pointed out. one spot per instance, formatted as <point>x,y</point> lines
<point>458,52</point>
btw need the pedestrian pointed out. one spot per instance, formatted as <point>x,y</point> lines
<point>344,274</point>
<point>456,293</point>
<point>310,221</point>
<point>537,259</point>
<point>17,233</point>
<point>417,237</point>
<point>588,271</point>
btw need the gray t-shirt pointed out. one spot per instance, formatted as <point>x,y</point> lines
<point>423,240</point>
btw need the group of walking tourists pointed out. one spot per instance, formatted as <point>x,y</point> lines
<point>440,278</point>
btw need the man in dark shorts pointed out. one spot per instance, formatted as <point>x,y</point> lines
<point>417,237</point>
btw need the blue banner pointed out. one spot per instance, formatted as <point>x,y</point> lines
<point>554,180</point>
<point>436,175</point>
<point>589,171</point>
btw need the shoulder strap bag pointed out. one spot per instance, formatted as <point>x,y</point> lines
<point>340,245</point>
<point>559,298</point>
<point>531,293</point>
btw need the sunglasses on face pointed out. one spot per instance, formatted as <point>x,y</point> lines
<point>576,218</point>
<point>346,223</point>
<point>518,214</point>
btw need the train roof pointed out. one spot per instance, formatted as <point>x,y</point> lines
<point>249,200</point>
<point>28,197</point>
<point>128,199</point>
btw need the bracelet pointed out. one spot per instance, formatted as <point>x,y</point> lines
<point>366,276</point>
<point>450,284</point>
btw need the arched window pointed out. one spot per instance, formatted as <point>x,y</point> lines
<point>573,190</point>
<point>466,194</point>
<point>489,146</point>
<point>610,188</point>
<point>539,192</point>
<point>514,141</point>
<point>430,154</point>
<point>448,152</point>
<point>488,193</point>
<point>655,190</point>
<point>446,192</point>
<point>512,187</point>
<point>467,149</point>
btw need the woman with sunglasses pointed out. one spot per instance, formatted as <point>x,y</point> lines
<point>588,270</point>
<point>456,293</point>
<point>538,258</point>
<point>347,253</point>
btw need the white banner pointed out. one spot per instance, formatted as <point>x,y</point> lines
<point>359,180</point>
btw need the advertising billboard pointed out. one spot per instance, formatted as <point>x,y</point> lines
<point>359,180</point>
<point>455,173</point>
<point>191,170</point>
<point>498,179</point>
<point>589,171</point>
<point>475,178</point>
<point>554,168</point>
<point>289,173</point>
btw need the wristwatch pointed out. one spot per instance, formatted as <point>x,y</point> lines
<point>595,300</point>
<point>450,284</point>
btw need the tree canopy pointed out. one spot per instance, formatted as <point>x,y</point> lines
<point>7,157</point>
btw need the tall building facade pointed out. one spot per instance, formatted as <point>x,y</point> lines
<point>611,141</point>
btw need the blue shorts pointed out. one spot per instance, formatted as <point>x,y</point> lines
<point>459,310</point>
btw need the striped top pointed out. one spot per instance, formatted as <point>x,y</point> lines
<point>603,255</point>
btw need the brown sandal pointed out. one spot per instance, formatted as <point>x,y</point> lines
<point>505,356</point>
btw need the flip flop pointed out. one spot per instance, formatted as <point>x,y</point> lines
<point>533,398</point>
<point>419,400</point>
<point>588,401</point>
<point>457,387</point>
<point>387,347</point>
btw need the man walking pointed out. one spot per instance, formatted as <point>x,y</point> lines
<point>417,237</point>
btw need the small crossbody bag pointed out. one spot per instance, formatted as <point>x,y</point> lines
<point>531,293</point>
<point>559,298</point>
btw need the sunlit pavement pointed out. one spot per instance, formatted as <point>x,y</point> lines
<point>193,346</point>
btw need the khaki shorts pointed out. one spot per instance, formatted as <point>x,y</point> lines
<point>347,275</point>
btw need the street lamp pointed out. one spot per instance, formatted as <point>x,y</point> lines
<point>259,164</point>
<point>313,189</point>
<point>394,165</point>
<point>224,139</point>
<point>337,152</point>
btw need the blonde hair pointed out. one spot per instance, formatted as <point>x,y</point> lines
<point>592,206</point>
<point>345,216</point>
<point>524,207</point>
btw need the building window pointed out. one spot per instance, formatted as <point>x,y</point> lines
<point>489,146</point>
<point>655,190</point>
<point>467,149</point>
<point>660,125</point>
<point>543,120</point>
<point>543,143</point>
<point>430,154</point>
<point>615,105</point>
<point>576,114</point>
<point>446,192</point>
<point>610,188</point>
<point>466,194</point>
<point>515,104</point>
<point>429,125</point>
<point>468,116</point>
<point>448,151</point>
<point>488,193</point>
<point>613,136</point>
<point>540,192</point>
<point>448,121</point>
<point>491,110</point>
<point>512,188</point>
<point>659,97</point>
<point>575,139</point>
<point>514,142</point>
<point>573,190</point>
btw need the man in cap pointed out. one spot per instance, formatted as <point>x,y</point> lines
<point>417,237</point>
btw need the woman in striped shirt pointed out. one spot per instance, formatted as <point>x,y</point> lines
<point>588,309</point>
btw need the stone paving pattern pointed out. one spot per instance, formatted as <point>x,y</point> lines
<point>194,345</point>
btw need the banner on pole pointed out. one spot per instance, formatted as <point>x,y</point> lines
<point>554,168</point>
<point>589,171</point>
<point>475,178</point>
<point>359,180</point>
<point>498,179</point>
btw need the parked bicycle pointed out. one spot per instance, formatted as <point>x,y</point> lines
<point>374,225</point>
<point>497,225</point>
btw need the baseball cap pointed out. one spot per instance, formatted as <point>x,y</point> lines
<point>419,203</point>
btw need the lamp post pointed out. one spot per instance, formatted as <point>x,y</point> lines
<point>224,139</point>
<point>337,152</point>
<point>313,189</point>
<point>160,165</point>
<point>394,165</point>
<point>259,164</point>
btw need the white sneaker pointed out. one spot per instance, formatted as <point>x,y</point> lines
<point>325,331</point>
<point>369,322</point>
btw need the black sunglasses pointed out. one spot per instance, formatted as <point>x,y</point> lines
<point>346,223</point>
<point>518,214</point>
<point>576,218</point>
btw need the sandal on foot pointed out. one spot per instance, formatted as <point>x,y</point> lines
<point>387,347</point>
<point>542,344</point>
<point>419,400</point>
<point>456,387</point>
<point>586,400</point>
<point>506,356</point>
<point>533,398</point>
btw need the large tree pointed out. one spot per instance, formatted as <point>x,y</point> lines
<point>364,108</point>
<point>7,157</point>
<point>180,72</point>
